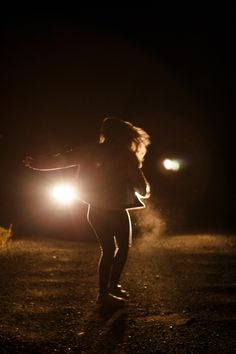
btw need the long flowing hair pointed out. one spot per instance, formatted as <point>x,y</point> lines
<point>124,133</point>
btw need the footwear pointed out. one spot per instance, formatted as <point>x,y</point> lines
<point>110,299</point>
<point>118,291</point>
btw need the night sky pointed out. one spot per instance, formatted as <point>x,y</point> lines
<point>63,72</point>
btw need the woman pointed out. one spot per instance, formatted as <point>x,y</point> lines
<point>111,182</point>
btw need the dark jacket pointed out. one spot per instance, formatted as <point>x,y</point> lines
<point>111,179</point>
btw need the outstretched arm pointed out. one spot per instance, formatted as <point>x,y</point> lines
<point>54,162</point>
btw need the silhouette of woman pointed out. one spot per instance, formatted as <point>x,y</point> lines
<point>111,182</point>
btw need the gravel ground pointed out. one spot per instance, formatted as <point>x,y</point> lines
<point>182,297</point>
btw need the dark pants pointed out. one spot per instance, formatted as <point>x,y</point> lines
<point>113,230</point>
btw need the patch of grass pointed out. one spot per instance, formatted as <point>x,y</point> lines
<point>5,235</point>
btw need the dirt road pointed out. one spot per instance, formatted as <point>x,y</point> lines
<point>182,297</point>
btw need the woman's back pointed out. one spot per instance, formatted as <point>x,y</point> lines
<point>105,177</point>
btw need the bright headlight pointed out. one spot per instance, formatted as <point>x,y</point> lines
<point>171,164</point>
<point>64,194</point>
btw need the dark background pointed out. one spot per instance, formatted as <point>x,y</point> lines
<point>63,71</point>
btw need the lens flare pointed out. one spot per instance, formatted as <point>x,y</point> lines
<point>65,194</point>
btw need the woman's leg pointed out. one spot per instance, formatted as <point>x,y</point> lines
<point>122,235</point>
<point>102,224</point>
<point>105,263</point>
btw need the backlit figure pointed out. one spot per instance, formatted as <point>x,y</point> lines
<point>111,182</point>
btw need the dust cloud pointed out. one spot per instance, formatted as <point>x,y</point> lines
<point>149,227</point>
